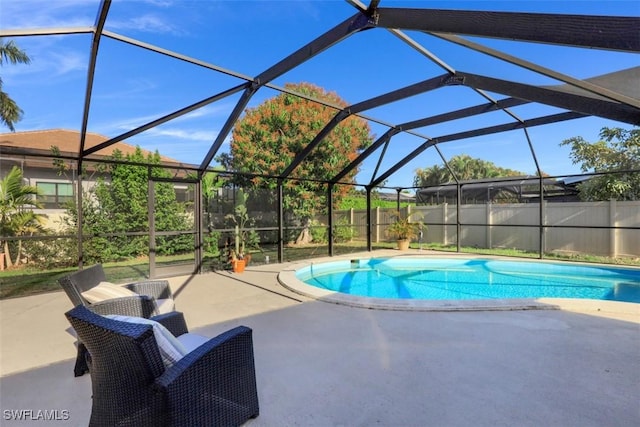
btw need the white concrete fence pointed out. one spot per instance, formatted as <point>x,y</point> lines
<point>578,227</point>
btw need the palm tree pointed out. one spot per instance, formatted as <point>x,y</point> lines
<point>465,167</point>
<point>16,215</point>
<point>10,113</point>
<point>431,176</point>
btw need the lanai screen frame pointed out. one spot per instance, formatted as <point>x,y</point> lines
<point>615,96</point>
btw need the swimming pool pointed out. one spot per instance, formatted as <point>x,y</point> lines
<point>471,279</point>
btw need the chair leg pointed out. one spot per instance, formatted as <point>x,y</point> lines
<point>81,367</point>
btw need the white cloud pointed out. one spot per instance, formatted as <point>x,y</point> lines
<point>185,145</point>
<point>47,13</point>
<point>132,90</point>
<point>183,134</point>
<point>23,14</point>
<point>113,128</point>
<point>49,60</point>
<point>67,63</point>
<point>150,23</point>
<point>211,113</point>
<point>159,3</point>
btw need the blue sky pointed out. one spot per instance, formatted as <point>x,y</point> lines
<point>133,86</point>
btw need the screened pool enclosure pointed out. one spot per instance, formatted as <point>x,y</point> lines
<point>506,85</point>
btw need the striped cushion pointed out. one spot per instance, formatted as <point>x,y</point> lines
<point>171,350</point>
<point>105,291</point>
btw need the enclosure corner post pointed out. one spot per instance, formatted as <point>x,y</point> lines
<point>369,244</point>
<point>80,219</point>
<point>198,216</point>
<point>152,224</point>
<point>377,224</point>
<point>458,210</point>
<point>280,222</point>
<point>613,232</point>
<point>542,232</point>
<point>330,217</point>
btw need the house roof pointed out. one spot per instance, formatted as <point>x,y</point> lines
<point>39,142</point>
<point>525,187</point>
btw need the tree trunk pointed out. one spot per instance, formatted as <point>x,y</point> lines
<point>7,255</point>
<point>19,254</point>
<point>305,235</point>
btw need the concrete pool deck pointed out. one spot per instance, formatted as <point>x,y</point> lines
<point>321,364</point>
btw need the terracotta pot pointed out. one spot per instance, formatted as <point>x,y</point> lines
<point>238,265</point>
<point>403,244</point>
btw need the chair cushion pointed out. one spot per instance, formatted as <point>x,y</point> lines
<point>105,291</point>
<point>171,349</point>
<point>192,341</point>
<point>165,305</point>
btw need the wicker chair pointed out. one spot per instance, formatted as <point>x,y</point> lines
<point>145,304</point>
<point>213,385</point>
<point>154,291</point>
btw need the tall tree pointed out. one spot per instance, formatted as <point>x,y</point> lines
<point>268,138</point>
<point>618,150</point>
<point>17,201</point>
<point>10,113</point>
<point>465,168</point>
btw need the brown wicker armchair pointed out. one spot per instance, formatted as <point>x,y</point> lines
<point>212,385</point>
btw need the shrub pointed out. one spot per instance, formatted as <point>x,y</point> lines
<point>318,232</point>
<point>343,231</point>
<point>51,253</point>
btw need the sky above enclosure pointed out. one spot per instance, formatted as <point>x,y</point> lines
<point>134,86</point>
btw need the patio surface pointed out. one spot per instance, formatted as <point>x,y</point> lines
<point>323,364</point>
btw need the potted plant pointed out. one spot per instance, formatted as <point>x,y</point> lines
<point>238,263</point>
<point>404,230</point>
<point>244,238</point>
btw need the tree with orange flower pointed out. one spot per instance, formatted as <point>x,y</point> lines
<point>268,137</point>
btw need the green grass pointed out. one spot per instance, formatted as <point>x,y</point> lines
<point>23,282</point>
<point>29,281</point>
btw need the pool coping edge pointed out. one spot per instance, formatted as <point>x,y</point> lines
<point>287,278</point>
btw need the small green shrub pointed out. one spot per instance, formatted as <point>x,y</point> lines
<point>343,231</point>
<point>51,253</point>
<point>318,232</point>
<point>211,243</point>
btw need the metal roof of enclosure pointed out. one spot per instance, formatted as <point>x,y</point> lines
<point>504,101</point>
<point>614,96</point>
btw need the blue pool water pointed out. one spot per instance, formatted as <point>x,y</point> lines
<point>439,279</point>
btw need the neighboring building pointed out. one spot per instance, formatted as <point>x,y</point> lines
<point>31,151</point>
<point>500,190</point>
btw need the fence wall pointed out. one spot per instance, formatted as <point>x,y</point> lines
<point>516,226</point>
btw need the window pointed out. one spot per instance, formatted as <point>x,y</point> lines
<point>54,195</point>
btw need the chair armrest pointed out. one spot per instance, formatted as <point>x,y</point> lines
<point>137,306</point>
<point>158,289</point>
<point>215,384</point>
<point>173,321</point>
